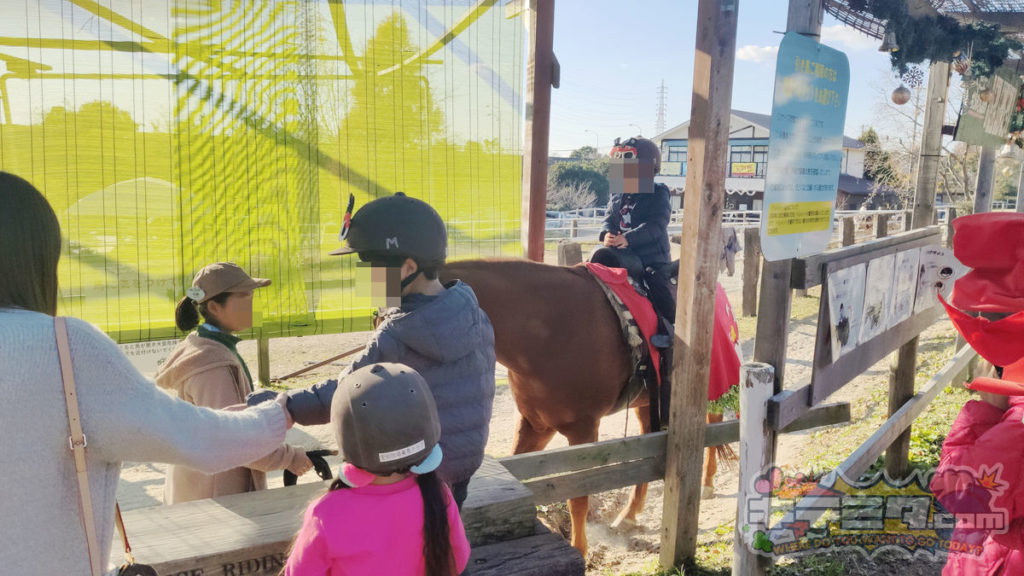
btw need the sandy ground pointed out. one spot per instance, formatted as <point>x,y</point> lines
<point>611,552</point>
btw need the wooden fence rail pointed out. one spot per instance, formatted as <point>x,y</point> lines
<point>563,473</point>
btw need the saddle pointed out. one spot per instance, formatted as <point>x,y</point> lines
<point>649,339</point>
<point>639,323</point>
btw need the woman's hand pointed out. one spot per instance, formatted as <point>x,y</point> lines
<point>300,463</point>
<point>282,399</point>
<point>610,239</point>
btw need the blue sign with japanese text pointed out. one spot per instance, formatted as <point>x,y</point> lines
<point>805,148</point>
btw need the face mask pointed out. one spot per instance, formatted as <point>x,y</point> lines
<point>1000,342</point>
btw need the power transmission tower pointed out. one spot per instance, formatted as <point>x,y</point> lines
<point>659,124</point>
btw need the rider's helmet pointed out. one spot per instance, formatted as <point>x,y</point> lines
<point>385,420</point>
<point>637,148</point>
<point>397,227</point>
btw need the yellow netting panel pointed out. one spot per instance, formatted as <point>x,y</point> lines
<point>171,134</point>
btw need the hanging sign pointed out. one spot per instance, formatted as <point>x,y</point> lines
<point>985,121</point>
<point>805,149</point>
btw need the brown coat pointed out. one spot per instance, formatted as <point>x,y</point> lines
<point>206,373</point>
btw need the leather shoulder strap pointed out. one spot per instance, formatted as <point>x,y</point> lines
<point>77,442</point>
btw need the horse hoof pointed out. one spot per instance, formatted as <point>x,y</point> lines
<point>707,493</point>
<point>624,523</point>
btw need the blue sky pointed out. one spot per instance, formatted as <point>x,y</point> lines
<point>614,55</point>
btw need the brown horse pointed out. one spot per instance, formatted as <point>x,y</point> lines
<point>560,340</point>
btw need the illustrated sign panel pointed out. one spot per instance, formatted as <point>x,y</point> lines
<point>805,148</point>
<point>867,299</point>
<point>985,123</point>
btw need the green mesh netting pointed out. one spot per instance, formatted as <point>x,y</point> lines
<point>171,134</point>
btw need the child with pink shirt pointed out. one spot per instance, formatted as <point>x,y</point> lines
<point>387,513</point>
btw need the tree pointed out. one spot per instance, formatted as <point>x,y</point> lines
<point>882,169</point>
<point>594,173</point>
<point>585,153</point>
<point>571,196</point>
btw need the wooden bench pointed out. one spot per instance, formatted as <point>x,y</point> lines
<point>248,534</point>
<point>542,554</point>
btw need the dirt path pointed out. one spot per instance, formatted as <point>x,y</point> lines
<point>612,552</point>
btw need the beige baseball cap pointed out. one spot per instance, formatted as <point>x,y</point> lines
<point>222,277</point>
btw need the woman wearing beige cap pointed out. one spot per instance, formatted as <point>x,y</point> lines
<point>206,370</point>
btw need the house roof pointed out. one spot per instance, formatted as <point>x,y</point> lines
<point>861,186</point>
<point>761,120</point>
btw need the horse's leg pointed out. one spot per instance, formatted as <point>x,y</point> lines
<point>711,465</point>
<point>529,438</point>
<point>580,433</point>
<point>627,518</point>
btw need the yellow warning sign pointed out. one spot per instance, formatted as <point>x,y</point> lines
<point>796,217</point>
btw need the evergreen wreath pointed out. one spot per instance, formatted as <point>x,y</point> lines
<point>938,39</point>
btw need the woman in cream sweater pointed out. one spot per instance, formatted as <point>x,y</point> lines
<point>123,415</point>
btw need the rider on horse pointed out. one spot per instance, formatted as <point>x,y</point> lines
<point>635,231</point>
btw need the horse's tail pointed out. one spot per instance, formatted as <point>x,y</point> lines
<point>727,456</point>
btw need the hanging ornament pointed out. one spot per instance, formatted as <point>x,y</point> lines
<point>913,77</point>
<point>901,95</point>
<point>889,42</point>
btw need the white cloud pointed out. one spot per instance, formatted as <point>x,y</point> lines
<point>753,53</point>
<point>847,39</point>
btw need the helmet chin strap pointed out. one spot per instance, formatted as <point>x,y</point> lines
<point>410,279</point>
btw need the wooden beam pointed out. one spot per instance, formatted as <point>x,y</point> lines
<point>538,122</point>
<point>807,272</point>
<point>263,359</point>
<point>250,533</point>
<point>986,179</point>
<point>751,269</point>
<point>787,406</point>
<point>541,554</point>
<point>595,480</point>
<point>931,144</point>
<point>556,475</point>
<point>849,224</point>
<point>756,381</point>
<point>881,225</point>
<point>699,254</point>
<point>805,17</point>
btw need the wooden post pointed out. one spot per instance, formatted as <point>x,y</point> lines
<point>950,216</point>
<point>263,360</point>
<point>983,188</point>
<point>849,231</point>
<point>753,511</point>
<point>881,225</point>
<point>908,219</point>
<point>699,254</point>
<point>776,295</point>
<point>573,228</point>
<point>751,268</point>
<point>1019,208</point>
<point>569,253</point>
<point>539,76</point>
<point>931,144</point>
<point>901,382</point>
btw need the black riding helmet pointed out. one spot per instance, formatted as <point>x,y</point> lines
<point>395,227</point>
<point>639,148</point>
